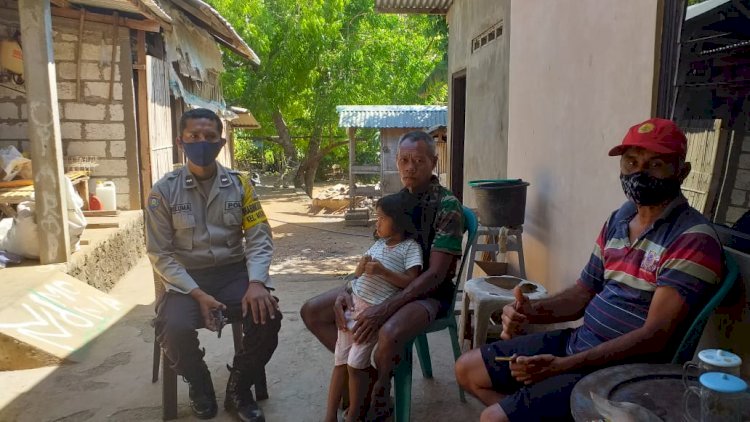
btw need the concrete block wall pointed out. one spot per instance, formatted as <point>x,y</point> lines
<point>111,255</point>
<point>740,197</point>
<point>92,124</point>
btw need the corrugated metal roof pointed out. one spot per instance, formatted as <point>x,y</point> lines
<point>214,18</point>
<point>153,6</point>
<point>127,6</point>
<point>244,119</point>
<point>221,28</point>
<point>392,116</point>
<point>437,7</point>
<point>701,8</point>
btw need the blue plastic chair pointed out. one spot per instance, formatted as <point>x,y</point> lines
<point>402,375</point>
<point>689,343</point>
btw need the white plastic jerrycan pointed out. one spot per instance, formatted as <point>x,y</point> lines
<point>107,194</point>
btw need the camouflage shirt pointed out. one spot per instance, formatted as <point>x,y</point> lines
<point>438,217</point>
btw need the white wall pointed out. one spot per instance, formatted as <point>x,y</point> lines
<point>581,73</point>
<point>486,136</point>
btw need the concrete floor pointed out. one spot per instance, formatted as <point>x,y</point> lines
<point>113,380</point>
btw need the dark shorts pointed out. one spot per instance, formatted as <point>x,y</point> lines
<point>432,307</point>
<point>547,400</point>
<point>443,295</point>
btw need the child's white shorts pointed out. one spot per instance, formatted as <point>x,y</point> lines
<point>356,355</point>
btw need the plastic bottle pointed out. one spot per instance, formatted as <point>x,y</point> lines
<point>107,194</point>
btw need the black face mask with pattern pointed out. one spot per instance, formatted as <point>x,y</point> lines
<point>644,189</point>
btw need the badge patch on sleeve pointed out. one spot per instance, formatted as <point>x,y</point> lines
<point>252,212</point>
<point>154,201</point>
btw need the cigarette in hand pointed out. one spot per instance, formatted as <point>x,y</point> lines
<point>505,358</point>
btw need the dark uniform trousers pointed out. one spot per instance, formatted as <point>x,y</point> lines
<point>178,317</point>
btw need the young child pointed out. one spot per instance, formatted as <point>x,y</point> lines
<point>387,267</point>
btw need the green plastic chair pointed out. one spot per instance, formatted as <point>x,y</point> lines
<point>689,343</point>
<point>402,375</point>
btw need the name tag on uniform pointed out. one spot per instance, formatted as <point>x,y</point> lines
<point>180,208</point>
<point>232,205</point>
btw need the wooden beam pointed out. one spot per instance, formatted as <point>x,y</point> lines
<point>140,25</point>
<point>79,54</point>
<point>351,132</point>
<point>145,11</point>
<point>214,26</point>
<point>200,16</point>
<point>44,131</point>
<point>61,3</point>
<point>144,146</point>
<point>115,34</point>
<point>235,49</point>
<point>366,169</point>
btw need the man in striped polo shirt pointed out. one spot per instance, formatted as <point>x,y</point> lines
<point>655,264</point>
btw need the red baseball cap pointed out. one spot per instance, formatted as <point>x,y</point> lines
<point>658,135</point>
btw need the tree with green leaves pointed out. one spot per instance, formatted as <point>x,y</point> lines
<point>318,54</point>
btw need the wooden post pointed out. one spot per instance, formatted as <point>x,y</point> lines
<point>79,57</point>
<point>230,144</point>
<point>44,131</point>
<point>352,145</point>
<point>144,145</point>
<point>115,34</point>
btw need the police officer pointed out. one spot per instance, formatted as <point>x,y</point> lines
<point>196,220</point>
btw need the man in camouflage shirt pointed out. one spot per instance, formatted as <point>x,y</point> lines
<point>438,217</point>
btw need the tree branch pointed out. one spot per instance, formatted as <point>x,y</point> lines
<point>275,139</point>
<point>284,137</point>
<point>325,151</point>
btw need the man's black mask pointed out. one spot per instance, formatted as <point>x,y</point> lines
<point>644,189</point>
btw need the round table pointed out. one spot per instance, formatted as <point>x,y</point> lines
<point>657,387</point>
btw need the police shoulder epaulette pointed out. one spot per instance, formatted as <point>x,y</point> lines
<point>241,175</point>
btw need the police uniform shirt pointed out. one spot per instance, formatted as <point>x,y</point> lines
<point>189,230</point>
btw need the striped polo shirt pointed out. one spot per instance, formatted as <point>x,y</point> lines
<point>398,258</point>
<point>680,250</point>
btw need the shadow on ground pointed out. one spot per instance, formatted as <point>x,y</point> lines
<point>112,381</point>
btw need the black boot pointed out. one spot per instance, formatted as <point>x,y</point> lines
<point>239,397</point>
<point>201,392</point>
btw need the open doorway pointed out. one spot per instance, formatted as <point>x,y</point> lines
<point>458,130</point>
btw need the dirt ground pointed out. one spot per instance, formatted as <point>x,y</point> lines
<point>112,382</point>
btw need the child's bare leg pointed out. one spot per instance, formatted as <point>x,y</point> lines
<point>372,373</point>
<point>345,392</point>
<point>338,378</point>
<point>359,384</point>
